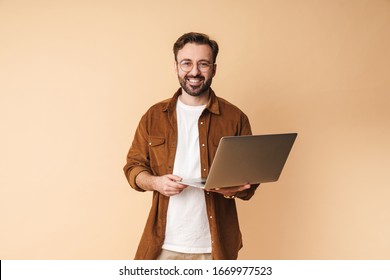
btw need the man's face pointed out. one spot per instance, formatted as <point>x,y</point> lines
<point>196,81</point>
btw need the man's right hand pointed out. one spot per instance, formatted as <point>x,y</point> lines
<point>166,185</point>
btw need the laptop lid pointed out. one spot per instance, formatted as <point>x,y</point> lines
<point>249,159</point>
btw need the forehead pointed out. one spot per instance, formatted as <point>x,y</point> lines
<point>195,52</point>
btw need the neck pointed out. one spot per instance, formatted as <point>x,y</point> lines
<point>190,100</point>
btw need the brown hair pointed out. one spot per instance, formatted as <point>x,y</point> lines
<point>197,38</point>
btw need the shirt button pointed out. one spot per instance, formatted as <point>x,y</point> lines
<point>203,145</point>
<point>211,217</point>
<point>201,122</point>
<point>208,192</point>
<point>204,169</point>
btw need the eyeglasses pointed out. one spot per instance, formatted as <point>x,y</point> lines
<point>203,66</point>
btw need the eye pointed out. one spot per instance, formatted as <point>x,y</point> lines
<point>186,63</point>
<point>204,64</point>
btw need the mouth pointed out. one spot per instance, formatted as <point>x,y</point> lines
<point>195,81</point>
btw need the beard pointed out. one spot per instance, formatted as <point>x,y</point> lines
<point>195,90</point>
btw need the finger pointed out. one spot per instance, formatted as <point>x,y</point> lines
<point>245,187</point>
<point>173,189</point>
<point>174,177</point>
<point>176,192</point>
<point>176,186</point>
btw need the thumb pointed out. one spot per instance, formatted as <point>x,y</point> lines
<point>174,177</point>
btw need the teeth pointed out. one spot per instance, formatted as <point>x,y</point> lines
<point>194,80</point>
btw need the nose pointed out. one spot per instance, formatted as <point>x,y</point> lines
<point>194,71</point>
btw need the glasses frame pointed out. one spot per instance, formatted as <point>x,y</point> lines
<point>211,65</point>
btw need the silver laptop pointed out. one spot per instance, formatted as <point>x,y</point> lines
<point>246,159</point>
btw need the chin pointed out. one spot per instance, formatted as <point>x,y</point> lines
<point>197,93</point>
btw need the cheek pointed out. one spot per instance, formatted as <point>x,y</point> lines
<point>181,76</point>
<point>208,76</point>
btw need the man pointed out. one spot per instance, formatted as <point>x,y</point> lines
<point>177,138</point>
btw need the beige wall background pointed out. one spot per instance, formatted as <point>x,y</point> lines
<point>76,76</point>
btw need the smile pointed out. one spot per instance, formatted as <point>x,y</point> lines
<point>194,81</point>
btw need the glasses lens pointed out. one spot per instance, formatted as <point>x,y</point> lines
<point>204,66</point>
<point>186,66</point>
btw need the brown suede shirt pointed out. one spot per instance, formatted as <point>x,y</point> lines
<point>153,150</point>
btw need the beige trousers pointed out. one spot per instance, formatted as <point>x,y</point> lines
<point>171,255</point>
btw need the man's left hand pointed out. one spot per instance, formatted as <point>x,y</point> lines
<point>231,192</point>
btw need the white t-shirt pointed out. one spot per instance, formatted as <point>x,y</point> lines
<point>187,229</point>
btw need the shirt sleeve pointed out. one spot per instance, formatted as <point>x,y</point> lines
<point>137,160</point>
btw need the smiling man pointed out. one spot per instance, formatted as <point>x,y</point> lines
<point>195,81</point>
<point>177,138</point>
